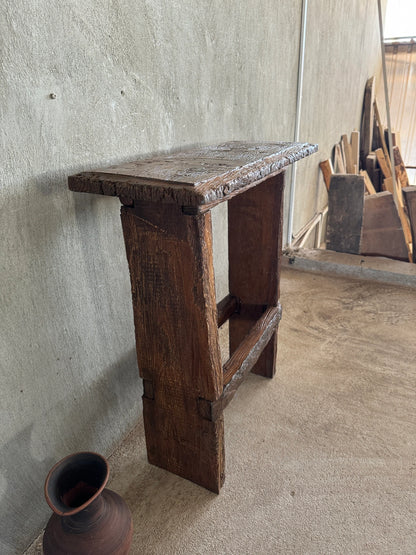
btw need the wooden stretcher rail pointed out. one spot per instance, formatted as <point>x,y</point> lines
<point>242,361</point>
<point>246,355</point>
<point>226,308</point>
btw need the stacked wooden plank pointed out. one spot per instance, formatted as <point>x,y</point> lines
<point>368,211</point>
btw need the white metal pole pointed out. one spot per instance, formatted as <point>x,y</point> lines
<point>386,96</point>
<point>297,117</point>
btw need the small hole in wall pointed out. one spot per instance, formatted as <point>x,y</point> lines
<point>122,93</point>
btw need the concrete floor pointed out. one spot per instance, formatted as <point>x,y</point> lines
<point>320,460</point>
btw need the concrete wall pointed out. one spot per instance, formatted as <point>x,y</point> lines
<point>342,50</point>
<point>130,78</point>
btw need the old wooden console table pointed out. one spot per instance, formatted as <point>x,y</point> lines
<point>167,230</point>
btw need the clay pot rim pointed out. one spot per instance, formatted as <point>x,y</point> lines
<point>75,510</point>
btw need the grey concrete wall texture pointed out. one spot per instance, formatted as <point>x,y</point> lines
<point>342,50</point>
<point>129,78</point>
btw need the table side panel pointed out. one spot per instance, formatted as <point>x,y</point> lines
<point>172,280</point>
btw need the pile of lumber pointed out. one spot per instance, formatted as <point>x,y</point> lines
<point>369,212</point>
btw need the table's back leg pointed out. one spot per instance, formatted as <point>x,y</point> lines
<point>172,279</point>
<point>255,244</point>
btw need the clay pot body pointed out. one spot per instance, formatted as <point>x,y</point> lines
<point>88,519</point>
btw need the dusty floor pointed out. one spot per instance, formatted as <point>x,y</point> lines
<point>320,460</point>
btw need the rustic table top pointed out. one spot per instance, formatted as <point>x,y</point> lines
<point>194,177</point>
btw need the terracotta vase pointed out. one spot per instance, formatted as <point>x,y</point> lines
<point>87,519</point>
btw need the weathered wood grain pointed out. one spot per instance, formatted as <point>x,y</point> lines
<point>376,136</point>
<point>254,242</point>
<point>338,160</point>
<point>249,350</point>
<point>368,184</point>
<point>226,308</point>
<point>381,132</point>
<point>345,213</point>
<point>242,361</point>
<point>367,120</point>
<point>349,163</point>
<point>409,194</point>
<point>327,171</point>
<point>382,233</point>
<point>373,171</point>
<point>395,135</point>
<point>396,190</point>
<point>175,315</point>
<point>388,185</point>
<point>355,150</point>
<point>383,162</point>
<point>401,173</point>
<point>195,177</point>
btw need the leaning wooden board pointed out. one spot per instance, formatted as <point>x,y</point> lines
<point>382,233</point>
<point>345,213</point>
<point>409,194</point>
<point>359,224</point>
<point>367,120</point>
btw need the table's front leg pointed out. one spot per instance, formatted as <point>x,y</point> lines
<point>172,279</point>
<point>255,244</point>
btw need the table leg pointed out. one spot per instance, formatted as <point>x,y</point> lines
<point>172,280</point>
<point>255,244</point>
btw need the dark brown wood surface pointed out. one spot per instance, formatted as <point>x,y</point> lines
<point>254,243</point>
<point>327,171</point>
<point>382,233</point>
<point>367,120</point>
<point>401,173</point>
<point>371,166</point>
<point>195,177</point>
<point>226,308</point>
<point>409,194</point>
<point>242,361</point>
<point>345,213</point>
<point>175,316</point>
<point>247,353</point>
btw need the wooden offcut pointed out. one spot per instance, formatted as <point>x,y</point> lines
<point>371,166</point>
<point>401,173</point>
<point>382,233</point>
<point>367,120</point>
<point>396,190</point>
<point>346,147</point>
<point>345,213</point>
<point>254,244</point>
<point>176,327</point>
<point>409,194</point>
<point>198,178</point>
<point>388,185</point>
<point>395,136</point>
<point>339,160</point>
<point>396,139</point>
<point>355,149</point>
<point>368,183</point>
<point>384,162</point>
<point>327,171</point>
<point>397,193</point>
<point>225,308</point>
<point>381,131</point>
